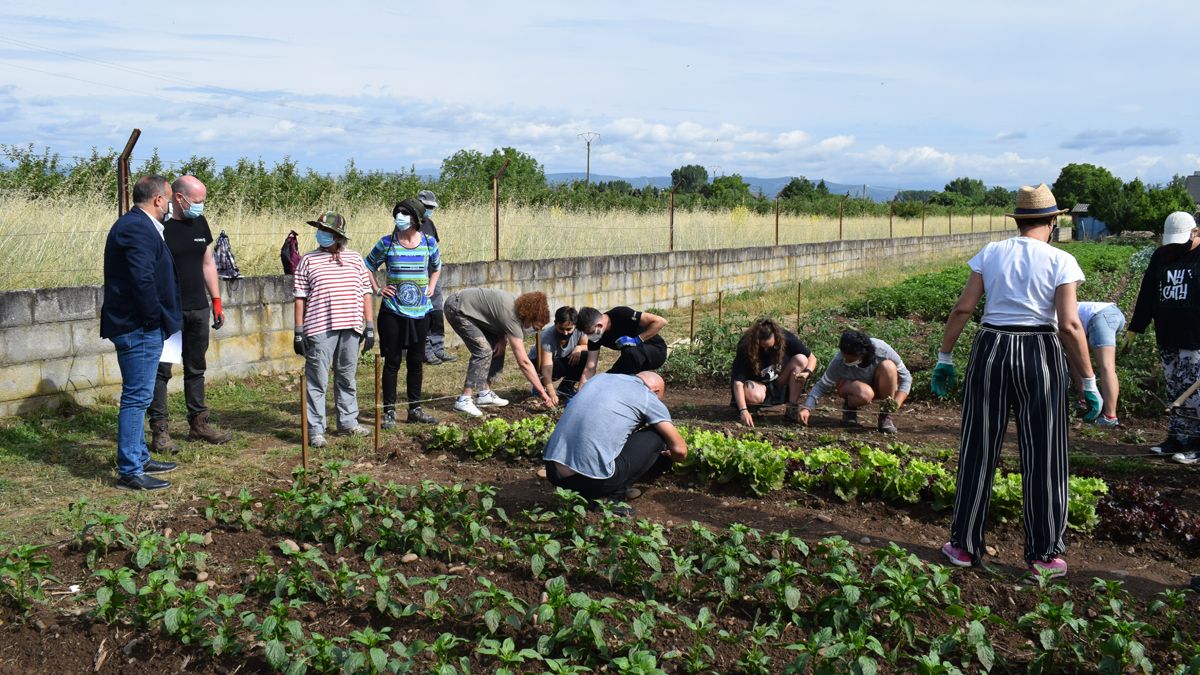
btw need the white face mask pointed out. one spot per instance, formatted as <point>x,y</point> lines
<point>595,335</point>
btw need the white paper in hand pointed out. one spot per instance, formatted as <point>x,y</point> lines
<point>172,349</point>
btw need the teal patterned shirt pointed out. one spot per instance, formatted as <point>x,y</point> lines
<point>408,269</point>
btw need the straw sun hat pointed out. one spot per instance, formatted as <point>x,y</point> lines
<point>1035,202</point>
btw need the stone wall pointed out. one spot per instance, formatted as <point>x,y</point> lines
<point>51,351</point>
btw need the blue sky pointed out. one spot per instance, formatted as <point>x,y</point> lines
<point>885,93</point>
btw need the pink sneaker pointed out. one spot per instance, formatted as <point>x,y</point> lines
<point>957,556</point>
<point>1057,568</point>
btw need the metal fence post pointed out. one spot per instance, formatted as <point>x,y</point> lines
<point>123,187</point>
<point>776,220</point>
<point>891,230</point>
<point>496,204</point>
<point>671,222</point>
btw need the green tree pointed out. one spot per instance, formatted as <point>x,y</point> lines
<point>798,188</point>
<point>822,189</point>
<point>972,190</point>
<point>1087,184</point>
<point>690,178</point>
<point>467,175</point>
<point>1000,197</point>
<point>727,191</point>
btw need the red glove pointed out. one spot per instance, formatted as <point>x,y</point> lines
<point>218,314</point>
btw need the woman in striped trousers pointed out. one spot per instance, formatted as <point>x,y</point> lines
<point>1017,363</point>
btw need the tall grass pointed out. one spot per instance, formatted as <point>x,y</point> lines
<point>56,241</point>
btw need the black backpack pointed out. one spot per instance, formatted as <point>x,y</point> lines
<point>289,253</point>
<point>223,255</point>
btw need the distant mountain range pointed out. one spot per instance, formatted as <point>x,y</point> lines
<point>768,186</point>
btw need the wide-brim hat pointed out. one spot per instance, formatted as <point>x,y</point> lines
<point>1035,202</point>
<point>427,198</point>
<point>333,222</point>
<point>1178,228</point>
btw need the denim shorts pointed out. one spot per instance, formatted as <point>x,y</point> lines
<point>1102,329</point>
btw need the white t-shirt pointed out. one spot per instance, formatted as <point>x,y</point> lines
<point>1020,276</point>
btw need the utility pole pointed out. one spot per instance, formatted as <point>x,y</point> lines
<point>588,137</point>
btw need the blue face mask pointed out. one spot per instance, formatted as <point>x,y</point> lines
<point>194,211</point>
<point>325,238</point>
<point>403,222</point>
<point>428,213</point>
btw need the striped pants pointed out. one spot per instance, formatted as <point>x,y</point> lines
<point>1020,368</point>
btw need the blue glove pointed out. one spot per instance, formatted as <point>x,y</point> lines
<point>1091,396</point>
<point>945,377</point>
<point>628,341</point>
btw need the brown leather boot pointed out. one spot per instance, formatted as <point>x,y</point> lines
<point>200,431</point>
<point>161,441</point>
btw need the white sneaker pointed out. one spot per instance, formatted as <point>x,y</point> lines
<point>359,430</point>
<point>466,405</point>
<point>317,441</point>
<point>489,398</point>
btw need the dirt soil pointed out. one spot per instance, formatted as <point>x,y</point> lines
<point>61,638</point>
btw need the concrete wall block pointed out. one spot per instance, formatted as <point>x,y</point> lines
<point>237,349</point>
<point>277,289</point>
<point>250,319</point>
<point>247,291</point>
<point>278,316</point>
<point>70,376</point>
<point>23,344</point>
<point>52,305</point>
<point>20,381</point>
<point>278,345</point>
<point>16,308</point>
<point>85,338</point>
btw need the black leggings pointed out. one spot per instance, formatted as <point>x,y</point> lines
<point>650,355</point>
<point>640,461</point>
<point>399,337</point>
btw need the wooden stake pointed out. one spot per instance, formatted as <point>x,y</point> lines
<point>303,420</point>
<point>798,284</point>
<point>378,403</point>
<point>692,329</point>
<point>720,299</point>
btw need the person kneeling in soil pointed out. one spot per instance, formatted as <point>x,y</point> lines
<point>771,367</point>
<point>865,369</point>
<point>615,432</point>
<point>633,333</point>
<point>564,353</point>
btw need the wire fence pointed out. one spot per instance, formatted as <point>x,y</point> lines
<point>49,243</point>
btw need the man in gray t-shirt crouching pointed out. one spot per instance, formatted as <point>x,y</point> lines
<point>616,431</point>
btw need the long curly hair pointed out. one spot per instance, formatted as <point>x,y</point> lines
<point>533,308</point>
<point>761,329</point>
<point>857,343</point>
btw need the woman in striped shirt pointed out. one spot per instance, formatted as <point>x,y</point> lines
<point>413,268</point>
<point>333,319</point>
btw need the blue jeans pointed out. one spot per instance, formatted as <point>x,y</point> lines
<point>137,354</point>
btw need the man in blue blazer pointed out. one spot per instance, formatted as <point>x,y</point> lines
<point>141,308</point>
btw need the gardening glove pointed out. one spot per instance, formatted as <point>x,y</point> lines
<point>628,341</point>
<point>298,341</point>
<point>1091,395</point>
<point>218,314</point>
<point>368,337</point>
<point>945,377</point>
